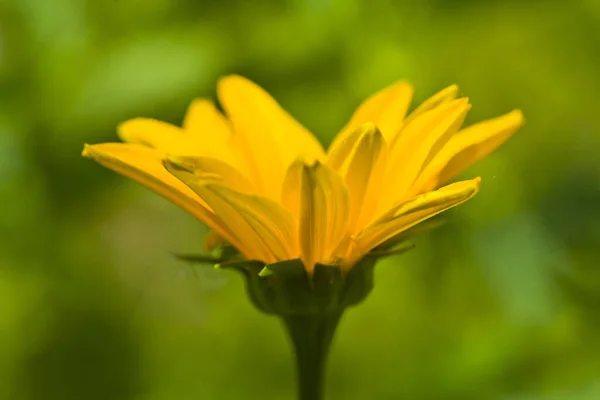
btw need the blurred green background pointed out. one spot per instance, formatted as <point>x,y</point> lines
<point>501,303</point>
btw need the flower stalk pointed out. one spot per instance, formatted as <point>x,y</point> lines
<point>311,337</point>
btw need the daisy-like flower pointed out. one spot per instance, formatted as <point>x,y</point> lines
<point>305,220</point>
<point>264,184</point>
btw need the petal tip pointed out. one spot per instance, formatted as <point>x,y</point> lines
<point>518,116</point>
<point>200,102</point>
<point>473,188</point>
<point>368,128</point>
<point>403,85</point>
<point>451,91</point>
<point>127,123</point>
<point>87,151</point>
<point>128,131</point>
<point>463,102</point>
<point>176,163</point>
<point>229,79</point>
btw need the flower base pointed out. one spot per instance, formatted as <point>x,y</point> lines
<point>309,306</point>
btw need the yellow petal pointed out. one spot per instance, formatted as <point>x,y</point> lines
<point>418,143</point>
<point>264,230</point>
<point>272,223</point>
<point>206,133</point>
<point>209,169</point>
<point>409,213</point>
<point>324,210</point>
<point>212,241</point>
<point>443,96</point>
<point>466,148</point>
<point>386,109</point>
<point>144,166</point>
<point>203,118</point>
<point>339,153</point>
<point>363,172</point>
<point>200,173</point>
<point>290,192</point>
<point>272,138</point>
<point>153,133</point>
<point>210,132</point>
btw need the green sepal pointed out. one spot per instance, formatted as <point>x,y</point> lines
<point>228,252</point>
<point>285,288</point>
<point>199,258</point>
<point>288,268</point>
<point>400,248</point>
<point>224,254</point>
<point>240,265</point>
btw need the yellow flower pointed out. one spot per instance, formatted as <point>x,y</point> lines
<point>263,183</point>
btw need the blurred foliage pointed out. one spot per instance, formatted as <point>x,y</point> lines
<point>502,303</point>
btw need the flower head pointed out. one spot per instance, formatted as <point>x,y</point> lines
<point>264,184</point>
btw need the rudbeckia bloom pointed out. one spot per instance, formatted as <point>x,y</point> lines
<point>264,184</point>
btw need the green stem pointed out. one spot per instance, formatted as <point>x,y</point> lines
<point>311,337</point>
